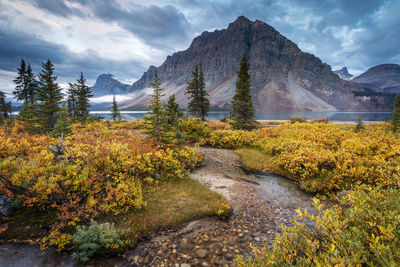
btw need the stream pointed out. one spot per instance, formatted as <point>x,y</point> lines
<point>261,202</point>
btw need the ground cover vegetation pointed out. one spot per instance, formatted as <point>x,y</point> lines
<point>356,166</point>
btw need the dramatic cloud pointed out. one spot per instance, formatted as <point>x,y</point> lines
<point>124,37</point>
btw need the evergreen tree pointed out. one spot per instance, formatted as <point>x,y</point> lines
<point>172,111</point>
<point>20,81</point>
<point>199,104</point>
<point>359,126</point>
<point>26,84</point>
<point>242,105</point>
<point>72,93</point>
<point>29,115</point>
<point>82,101</point>
<point>32,85</point>
<point>115,114</point>
<point>396,114</point>
<point>156,118</point>
<point>63,123</point>
<point>5,107</point>
<point>204,103</point>
<point>49,97</point>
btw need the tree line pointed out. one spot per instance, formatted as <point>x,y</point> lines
<point>163,118</point>
<point>44,109</point>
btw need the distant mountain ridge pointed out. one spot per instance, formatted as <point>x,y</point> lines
<point>384,78</point>
<point>283,77</point>
<point>107,85</point>
<point>344,74</point>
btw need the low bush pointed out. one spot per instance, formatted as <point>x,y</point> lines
<point>364,233</point>
<point>96,237</point>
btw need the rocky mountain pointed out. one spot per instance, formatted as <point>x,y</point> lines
<point>107,85</point>
<point>283,77</point>
<point>383,78</point>
<point>344,74</point>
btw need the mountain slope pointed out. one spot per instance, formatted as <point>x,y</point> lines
<point>383,78</point>
<point>283,77</point>
<point>107,85</point>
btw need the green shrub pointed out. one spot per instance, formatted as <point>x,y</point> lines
<point>89,240</point>
<point>364,233</point>
<point>299,119</point>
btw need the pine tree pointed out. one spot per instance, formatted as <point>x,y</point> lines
<point>199,104</point>
<point>242,105</point>
<point>396,114</point>
<point>115,114</point>
<point>172,111</point>
<point>63,124</point>
<point>72,93</point>
<point>82,101</point>
<point>49,97</point>
<point>157,120</point>
<point>26,84</point>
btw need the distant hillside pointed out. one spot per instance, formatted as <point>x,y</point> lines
<point>383,78</point>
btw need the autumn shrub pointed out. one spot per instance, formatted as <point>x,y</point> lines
<point>299,119</point>
<point>325,156</point>
<point>364,230</point>
<point>101,172</point>
<point>194,129</point>
<point>230,138</point>
<point>94,238</point>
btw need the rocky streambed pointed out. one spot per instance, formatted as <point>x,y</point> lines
<point>260,202</point>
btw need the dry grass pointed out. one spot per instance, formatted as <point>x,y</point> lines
<point>170,204</point>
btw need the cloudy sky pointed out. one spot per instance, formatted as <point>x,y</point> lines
<point>124,37</point>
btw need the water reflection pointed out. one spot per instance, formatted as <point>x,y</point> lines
<point>286,115</point>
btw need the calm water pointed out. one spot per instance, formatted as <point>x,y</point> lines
<point>334,116</point>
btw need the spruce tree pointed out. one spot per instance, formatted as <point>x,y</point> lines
<point>49,97</point>
<point>396,114</point>
<point>157,120</point>
<point>32,86</point>
<point>359,126</point>
<point>5,107</point>
<point>63,124</point>
<point>172,111</point>
<point>20,81</point>
<point>26,84</point>
<point>199,105</point>
<point>115,114</point>
<point>82,101</point>
<point>72,93</point>
<point>242,105</point>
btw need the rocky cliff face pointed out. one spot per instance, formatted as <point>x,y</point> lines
<point>383,78</point>
<point>107,85</point>
<point>283,77</point>
<point>344,74</point>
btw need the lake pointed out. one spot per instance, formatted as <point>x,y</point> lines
<point>283,115</point>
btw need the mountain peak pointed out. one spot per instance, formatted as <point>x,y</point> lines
<point>107,85</point>
<point>241,21</point>
<point>343,73</point>
<point>282,76</point>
